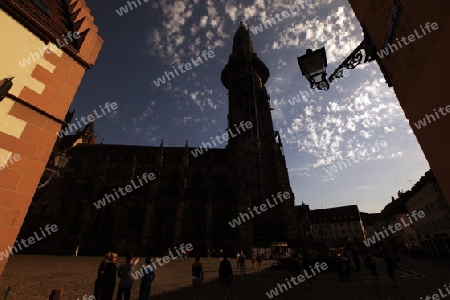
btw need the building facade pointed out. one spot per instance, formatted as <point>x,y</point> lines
<point>432,231</point>
<point>194,197</point>
<point>414,36</point>
<point>41,69</point>
<point>338,226</point>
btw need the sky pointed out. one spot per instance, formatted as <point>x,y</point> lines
<point>358,121</point>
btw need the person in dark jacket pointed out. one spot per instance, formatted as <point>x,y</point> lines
<point>124,272</point>
<point>370,264</point>
<point>147,279</point>
<point>225,275</point>
<point>106,277</point>
<point>391,265</point>
<point>197,276</point>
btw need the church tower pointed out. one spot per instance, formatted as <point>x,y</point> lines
<point>256,153</point>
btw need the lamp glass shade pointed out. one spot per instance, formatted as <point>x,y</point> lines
<point>313,64</point>
<point>61,161</point>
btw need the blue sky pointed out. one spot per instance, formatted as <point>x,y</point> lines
<point>318,132</point>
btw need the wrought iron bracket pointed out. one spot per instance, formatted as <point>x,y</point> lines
<point>365,52</point>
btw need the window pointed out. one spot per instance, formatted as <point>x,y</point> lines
<point>441,225</point>
<point>394,18</point>
<point>42,6</point>
<point>258,174</point>
<point>433,207</point>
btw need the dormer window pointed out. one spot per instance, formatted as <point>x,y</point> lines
<point>42,6</point>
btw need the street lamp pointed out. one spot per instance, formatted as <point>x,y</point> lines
<point>314,63</point>
<point>60,161</point>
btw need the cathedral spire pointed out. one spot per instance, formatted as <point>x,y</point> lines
<point>242,41</point>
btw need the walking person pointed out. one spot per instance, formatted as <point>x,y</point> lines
<point>106,277</point>
<point>225,276</point>
<point>370,264</point>
<point>241,263</point>
<point>357,261</point>
<point>253,259</point>
<point>100,281</point>
<point>307,264</point>
<point>391,265</point>
<point>299,264</point>
<point>237,259</point>
<point>147,279</point>
<point>259,259</point>
<point>126,280</point>
<point>197,276</point>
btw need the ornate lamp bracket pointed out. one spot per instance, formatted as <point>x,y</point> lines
<point>365,52</point>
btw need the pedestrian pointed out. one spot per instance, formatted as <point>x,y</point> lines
<point>299,264</point>
<point>197,276</point>
<point>181,254</point>
<point>370,264</point>
<point>253,259</point>
<point>126,279</point>
<point>147,279</point>
<point>259,259</point>
<point>357,261</point>
<point>237,259</point>
<point>106,277</point>
<point>307,264</point>
<point>391,265</point>
<point>100,281</point>
<point>241,263</point>
<point>225,275</point>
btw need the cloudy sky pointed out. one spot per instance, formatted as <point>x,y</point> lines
<point>358,121</point>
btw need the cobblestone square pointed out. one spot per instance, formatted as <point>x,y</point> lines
<point>33,278</point>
